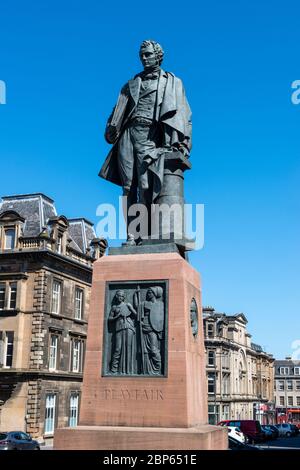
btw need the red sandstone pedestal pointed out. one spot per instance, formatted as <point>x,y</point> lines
<point>146,412</point>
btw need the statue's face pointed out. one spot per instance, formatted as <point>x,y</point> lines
<point>150,294</point>
<point>148,57</point>
<point>120,296</point>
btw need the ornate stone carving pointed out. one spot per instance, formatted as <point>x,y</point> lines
<point>135,329</point>
<point>194,317</point>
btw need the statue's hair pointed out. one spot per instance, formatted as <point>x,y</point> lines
<point>121,291</point>
<point>156,47</point>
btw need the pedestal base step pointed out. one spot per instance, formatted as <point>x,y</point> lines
<point>202,437</point>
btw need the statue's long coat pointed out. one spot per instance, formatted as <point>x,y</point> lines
<point>171,110</point>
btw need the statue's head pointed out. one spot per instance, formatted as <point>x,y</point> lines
<point>151,54</point>
<point>154,292</point>
<point>120,295</point>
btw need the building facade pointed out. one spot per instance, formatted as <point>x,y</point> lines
<point>45,282</point>
<point>287,390</point>
<point>239,373</point>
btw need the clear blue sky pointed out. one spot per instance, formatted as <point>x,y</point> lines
<point>64,62</point>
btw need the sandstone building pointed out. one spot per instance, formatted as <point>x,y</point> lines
<point>45,282</point>
<point>239,373</point>
<point>287,390</point>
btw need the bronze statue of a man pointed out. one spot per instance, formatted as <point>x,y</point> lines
<point>152,118</point>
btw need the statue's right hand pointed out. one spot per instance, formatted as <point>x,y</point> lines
<point>111,134</point>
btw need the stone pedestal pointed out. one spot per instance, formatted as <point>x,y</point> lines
<point>168,411</point>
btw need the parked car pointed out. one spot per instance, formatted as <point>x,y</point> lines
<point>233,444</point>
<point>17,440</point>
<point>272,428</point>
<point>250,427</point>
<point>286,429</point>
<point>236,433</point>
<point>295,428</point>
<point>267,432</point>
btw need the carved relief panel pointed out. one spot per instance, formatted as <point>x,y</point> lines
<point>135,329</point>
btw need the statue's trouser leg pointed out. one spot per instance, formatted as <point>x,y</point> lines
<point>126,170</point>
<point>136,143</point>
<point>143,146</point>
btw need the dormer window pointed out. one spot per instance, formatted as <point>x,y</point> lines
<point>59,244</point>
<point>10,229</point>
<point>9,238</point>
<point>210,330</point>
<point>58,227</point>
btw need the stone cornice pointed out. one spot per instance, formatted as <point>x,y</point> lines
<point>45,253</point>
<point>11,276</point>
<point>28,374</point>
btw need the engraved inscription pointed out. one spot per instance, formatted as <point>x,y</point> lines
<point>134,394</point>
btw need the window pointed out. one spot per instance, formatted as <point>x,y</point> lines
<point>297,370</point>
<point>210,329</point>
<point>289,385</point>
<point>225,384</point>
<point>211,358</point>
<point>254,386</point>
<point>9,238</point>
<point>225,412</point>
<point>56,297</point>
<point>59,244</point>
<point>280,384</point>
<point>2,296</point>
<point>53,352</point>
<point>298,401</point>
<point>12,299</point>
<point>78,303</point>
<point>76,354</point>
<point>225,361</point>
<point>297,384</point>
<point>213,414</point>
<point>284,371</point>
<point>6,348</point>
<point>211,383</point>
<point>50,413</point>
<point>74,407</point>
<point>281,401</point>
<point>235,423</point>
<point>290,401</point>
<point>8,295</point>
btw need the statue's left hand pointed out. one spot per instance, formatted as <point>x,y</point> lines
<point>111,134</point>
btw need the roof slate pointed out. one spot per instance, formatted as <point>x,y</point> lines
<point>37,209</point>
